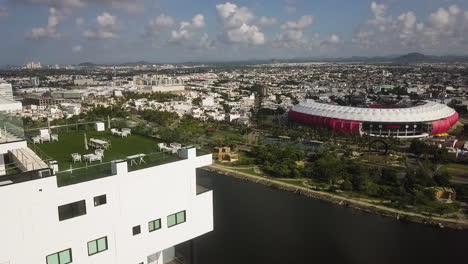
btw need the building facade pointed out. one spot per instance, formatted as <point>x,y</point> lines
<point>6,90</point>
<point>130,215</point>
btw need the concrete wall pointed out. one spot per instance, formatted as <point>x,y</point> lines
<point>31,229</point>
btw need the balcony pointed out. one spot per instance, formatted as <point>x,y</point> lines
<point>11,128</point>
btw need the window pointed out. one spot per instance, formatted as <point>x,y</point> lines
<point>136,230</point>
<point>62,257</point>
<point>71,210</point>
<point>97,246</point>
<point>100,200</point>
<point>176,219</point>
<point>154,225</point>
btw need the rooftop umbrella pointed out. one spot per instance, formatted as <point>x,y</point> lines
<point>85,142</point>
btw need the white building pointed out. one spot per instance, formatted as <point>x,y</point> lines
<point>208,102</point>
<point>6,90</point>
<point>130,216</point>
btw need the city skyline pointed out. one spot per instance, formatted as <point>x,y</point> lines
<point>116,31</point>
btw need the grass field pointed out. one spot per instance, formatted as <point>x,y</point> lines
<point>457,170</point>
<point>73,142</point>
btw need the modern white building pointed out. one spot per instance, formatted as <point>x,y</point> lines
<point>125,215</point>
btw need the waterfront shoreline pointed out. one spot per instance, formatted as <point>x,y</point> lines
<point>344,201</point>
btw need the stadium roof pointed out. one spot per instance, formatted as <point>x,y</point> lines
<point>430,111</point>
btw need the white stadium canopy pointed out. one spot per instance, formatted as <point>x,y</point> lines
<point>430,111</point>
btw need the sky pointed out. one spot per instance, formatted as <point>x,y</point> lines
<point>117,31</point>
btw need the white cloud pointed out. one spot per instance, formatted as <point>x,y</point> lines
<point>233,16</point>
<point>77,49</point>
<point>158,24</point>
<point>187,30</point>
<point>106,20</point>
<point>332,40</point>
<point>127,5</point>
<point>302,23</point>
<point>99,34</point>
<point>439,19</point>
<point>267,20</point>
<point>106,28</point>
<point>198,21</point>
<point>236,23</point>
<point>246,34</point>
<point>3,12</point>
<point>378,9</point>
<point>444,30</point>
<point>162,21</point>
<point>293,33</point>
<point>50,30</point>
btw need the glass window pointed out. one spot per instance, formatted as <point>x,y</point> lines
<point>154,225</point>
<point>180,217</point>
<point>62,257</point>
<point>136,230</point>
<point>53,259</point>
<point>100,200</point>
<point>176,219</point>
<point>171,220</point>
<point>92,248</point>
<point>102,244</point>
<point>72,210</point>
<point>65,257</point>
<point>97,246</point>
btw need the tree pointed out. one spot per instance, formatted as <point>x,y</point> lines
<point>418,147</point>
<point>328,168</point>
<point>197,101</point>
<point>442,178</point>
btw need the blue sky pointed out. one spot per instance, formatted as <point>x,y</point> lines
<point>113,31</point>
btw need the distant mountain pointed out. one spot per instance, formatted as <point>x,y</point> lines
<point>137,63</point>
<point>407,58</point>
<point>396,59</point>
<point>414,57</point>
<point>87,64</point>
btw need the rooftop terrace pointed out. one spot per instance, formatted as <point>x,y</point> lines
<point>144,150</point>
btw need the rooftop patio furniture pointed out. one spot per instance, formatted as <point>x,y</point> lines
<point>36,140</point>
<point>45,138</point>
<point>76,157</point>
<point>116,132</point>
<point>99,152</point>
<point>99,143</point>
<point>54,137</point>
<point>92,157</point>
<point>127,130</point>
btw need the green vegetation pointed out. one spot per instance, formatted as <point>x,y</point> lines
<point>73,142</point>
<point>278,161</point>
<point>155,96</point>
<point>161,118</point>
<point>456,170</point>
<point>408,189</point>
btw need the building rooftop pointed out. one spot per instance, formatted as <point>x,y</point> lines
<point>139,151</point>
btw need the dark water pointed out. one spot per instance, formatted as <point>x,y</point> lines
<point>256,224</point>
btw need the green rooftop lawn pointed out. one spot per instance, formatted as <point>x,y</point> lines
<point>73,142</point>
